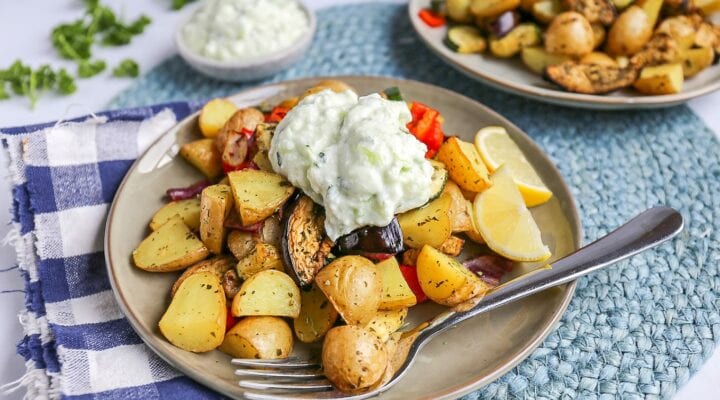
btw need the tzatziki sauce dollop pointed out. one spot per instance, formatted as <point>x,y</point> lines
<point>353,155</point>
<point>237,30</point>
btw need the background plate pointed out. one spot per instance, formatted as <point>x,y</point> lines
<point>514,77</point>
<point>457,362</point>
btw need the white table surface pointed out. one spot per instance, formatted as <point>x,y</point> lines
<point>24,34</point>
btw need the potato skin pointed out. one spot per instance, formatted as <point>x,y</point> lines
<point>353,358</point>
<point>570,34</point>
<point>332,84</point>
<point>244,118</point>
<point>630,32</point>
<point>266,338</point>
<point>353,286</point>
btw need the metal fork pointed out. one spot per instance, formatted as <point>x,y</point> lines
<point>303,379</point>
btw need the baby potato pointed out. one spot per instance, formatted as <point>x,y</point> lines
<point>353,286</point>
<point>430,224</point>
<point>332,84</point>
<point>354,359</point>
<point>188,210</point>
<point>629,33</point>
<point>213,116</point>
<point>171,247</point>
<point>265,338</point>
<point>570,34</point>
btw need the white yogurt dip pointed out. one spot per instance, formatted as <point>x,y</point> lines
<point>354,156</point>
<point>235,30</point>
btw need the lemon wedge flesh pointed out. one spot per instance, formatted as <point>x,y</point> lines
<point>496,148</point>
<point>504,221</point>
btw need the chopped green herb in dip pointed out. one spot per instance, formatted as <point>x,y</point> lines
<point>353,155</point>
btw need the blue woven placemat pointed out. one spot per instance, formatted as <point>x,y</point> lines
<point>635,331</point>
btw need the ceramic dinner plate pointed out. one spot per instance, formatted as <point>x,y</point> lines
<point>456,362</point>
<point>512,76</point>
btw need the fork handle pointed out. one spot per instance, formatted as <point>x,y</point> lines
<point>647,230</point>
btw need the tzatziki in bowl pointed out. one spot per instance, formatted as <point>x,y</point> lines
<point>243,40</point>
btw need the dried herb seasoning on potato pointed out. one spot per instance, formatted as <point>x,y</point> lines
<point>254,246</point>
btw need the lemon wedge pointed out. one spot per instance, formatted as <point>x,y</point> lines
<point>504,221</point>
<point>496,148</point>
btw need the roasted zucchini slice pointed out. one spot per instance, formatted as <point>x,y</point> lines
<point>465,39</point>
<point>438,180</point>
<point>523,35</point>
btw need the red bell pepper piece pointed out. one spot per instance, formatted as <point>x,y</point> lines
<point>230,321</point>
<point>410,275</point>
<point>277,114</point>
<point>430,18</point>
<point>426,126</point>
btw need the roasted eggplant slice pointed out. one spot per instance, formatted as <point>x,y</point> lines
<point>371,239</point>
<point>303,241</point>
<point>590,78</point>
<point>602,11</point>
<point>661,49</point>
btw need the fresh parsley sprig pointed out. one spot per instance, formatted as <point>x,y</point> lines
<point>74,41</point>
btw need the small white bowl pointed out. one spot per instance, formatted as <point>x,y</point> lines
<point>251,69</point>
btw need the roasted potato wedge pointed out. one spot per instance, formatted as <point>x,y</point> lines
<point>316,317</point>
<point>203,155</point>
<point>270,293</point>
<point>188,210</point>
<point>353,286</point>
<point>217,265</point>
<point>170,248</point>
<point>258,194</point>
<point>661,79</point>
<point>458,211</point>
<point>213,116</point>
<point>464,164</point>
<point>386,323</point>
<point>446,281</point>
<point>430,224</point>
<point>353,358</point>
<point>264,338</point>
<point>262,257</point>
<point>590,78</point>
<point>396,293</point>
<point>651,8</point>
<point>195,319</point>
<point>216,202</point>
<point>695,60</point>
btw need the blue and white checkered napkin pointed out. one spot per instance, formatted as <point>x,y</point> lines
<point>77,343</point>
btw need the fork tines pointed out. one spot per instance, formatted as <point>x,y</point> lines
<point>278,377</point>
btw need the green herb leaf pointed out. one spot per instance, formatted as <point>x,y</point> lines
<point>178,4</point>
<point>127,68</point>
<point>87,68</point>
<point>3,92</point>
<point>65,82</point>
